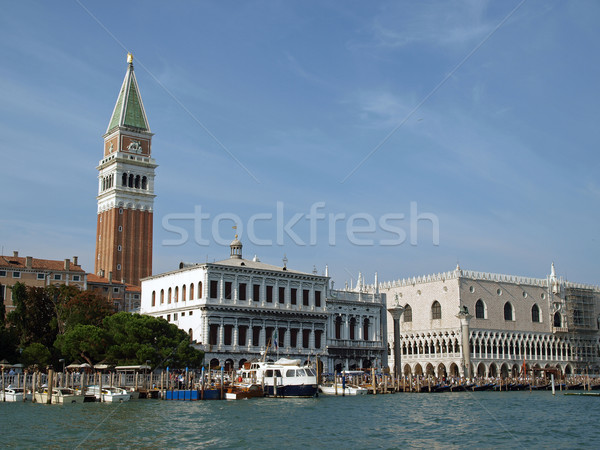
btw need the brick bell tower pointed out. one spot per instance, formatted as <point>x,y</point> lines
<point>126,189</point>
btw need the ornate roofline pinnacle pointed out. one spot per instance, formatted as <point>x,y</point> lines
<point>129,58</point>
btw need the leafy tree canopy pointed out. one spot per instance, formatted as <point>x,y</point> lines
<point>36,353</point>
<point>33,318</point>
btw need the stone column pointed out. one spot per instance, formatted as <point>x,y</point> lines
<point>396,312</point>
<point>235,337</point>
<point>465,317</point>
<point>221,333</point>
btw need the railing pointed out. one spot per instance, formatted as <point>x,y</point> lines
<point>349,343</point>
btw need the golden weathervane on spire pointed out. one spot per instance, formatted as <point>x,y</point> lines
<point>129,58</point>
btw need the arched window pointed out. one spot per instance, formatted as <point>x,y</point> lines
<point>535,313</point>
<point>338,327</point>
<point>508,311</point>
<point>153,298</point>
<point>130,180</point>
<point>191,333</point>
<point>407,315</point>
<point>352,328</point>
<point>124,179</point>
<point>436,310</point>
<point>557,320</point>
<point>199,289</point>
<point>366,329</point>
<point>176,293</point>
<point>480,309</point>
<point>191,291</point>
<point>162,296</point>
<point>137,181</point>
<point>183,293</point>
<point>169,296</point>
<point>144,183</point>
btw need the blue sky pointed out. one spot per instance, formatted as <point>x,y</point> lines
<point>480,114</point>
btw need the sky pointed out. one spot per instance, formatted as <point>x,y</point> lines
<point>396,137</point>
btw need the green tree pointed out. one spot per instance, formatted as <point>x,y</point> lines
<point>134,339</point>
<point>36,353</point>
<point>74,307</point>
<point>34,317</point>
<point>83,341</point>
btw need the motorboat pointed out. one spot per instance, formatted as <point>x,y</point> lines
<point>331,389</point>
<point>108,394</point>
<point>60,395</point>
<point>11,394</point>
<point>282,378</point>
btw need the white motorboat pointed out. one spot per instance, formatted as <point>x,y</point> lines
<point>11,394</point>
<point>282,378</point>
<point>330,389</point>
<point>108,394</point>
<point>60,395</point>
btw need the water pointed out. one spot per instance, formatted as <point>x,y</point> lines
<point>449,420</point>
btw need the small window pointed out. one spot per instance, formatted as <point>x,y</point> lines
<point>16,274</point>
<point>294,295</point>
<point>543,296</point>
<point>76,278</point>
<point>119,248</point>
<point>269,294</point>
<point>508,311</point>
<point>305,294</point>
<point>499,291</point>
<point>168,317</point>
<point>3,273</point>
<point>191,313</point>
<point>480,309</point>
<point>242,295</point>
<point>471,289</point>
<point>183,314</point>
<point>436,310</point>
<point>115,290</point>
<point>407,315</point>
<point>318,299</point>
<point>120,210</point>
<point>214,288</point>
<point>136,296</point>
<point>175,316</point>
<point>58,277</point>
<point>535,313</point>
<point>118,266</point>
<point>281,295</point>
<point>256,293</point>
<point>228,289</point>
<point>120,228</point>
<point>40,276</point>
<point>524,294</point>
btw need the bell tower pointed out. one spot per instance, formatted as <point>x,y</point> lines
<point>126,189</point>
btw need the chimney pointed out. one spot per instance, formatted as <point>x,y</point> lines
<point>28,262</point>
<point>67,264</point>
<point>15,254</point>
<point>75,260</point>
<point>110,276</point>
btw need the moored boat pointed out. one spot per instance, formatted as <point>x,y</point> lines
<point>282,378</point>
<point>59,396</point>
<point>108,394</point>
<point>330,389</point>
<point>11,394</point>
<point>243,391</point>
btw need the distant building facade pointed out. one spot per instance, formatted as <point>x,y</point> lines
<point>126,190</point>
<point>511,322</point>
<point>37,272</point>
<point>234,309</point>
<point>123,297</point>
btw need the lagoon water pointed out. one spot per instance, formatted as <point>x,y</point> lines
<point>449,420</point>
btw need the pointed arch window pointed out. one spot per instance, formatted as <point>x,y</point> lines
<point>508,311</point>
<point>557,320</point>
<point>407,315</point>
<point>480,309</point>
<point>535,313</point>
<point>436,310</point>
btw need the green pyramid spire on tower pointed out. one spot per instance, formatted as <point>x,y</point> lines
<point>129,110</point>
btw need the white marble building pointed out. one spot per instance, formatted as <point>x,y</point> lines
<point>233,309</point>
<point>356,328</point>
<point>542,323</point>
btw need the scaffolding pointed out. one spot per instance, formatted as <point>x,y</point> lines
<point>582,323</point>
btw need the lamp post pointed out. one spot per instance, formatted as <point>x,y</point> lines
<point>62,381</point>
<point>146,373</point>
<point>396,312</point>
